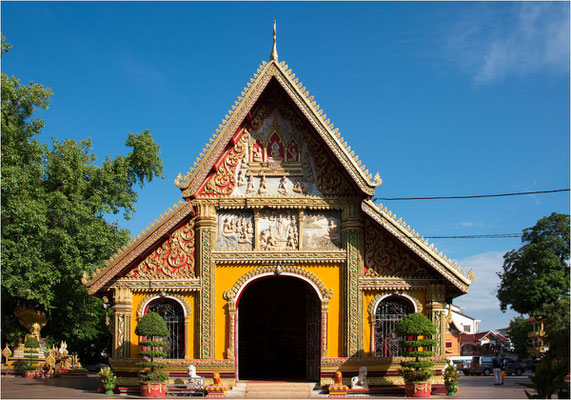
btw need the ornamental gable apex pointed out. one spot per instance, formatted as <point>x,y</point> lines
<point>220,161</point>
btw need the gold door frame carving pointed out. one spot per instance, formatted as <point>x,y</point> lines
<point>232,295</point>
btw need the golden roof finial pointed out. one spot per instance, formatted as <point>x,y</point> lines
<point>274,55</point>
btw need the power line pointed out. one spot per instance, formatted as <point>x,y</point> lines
<point>477,196</point>
<point>479,236</point>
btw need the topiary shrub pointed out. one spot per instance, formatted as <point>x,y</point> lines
<point>412,327</point>
<point>31,347</point>
<point>152,328</point>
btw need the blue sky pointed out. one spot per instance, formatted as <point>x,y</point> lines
<point>440,98</point>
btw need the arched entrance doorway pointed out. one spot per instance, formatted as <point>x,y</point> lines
<point>279,330</point>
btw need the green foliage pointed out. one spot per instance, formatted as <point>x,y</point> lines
<point>537,273</point>
<point>31,347</point>
<point>557,327</point>
<point>55,200</point>
<point>416,325</point>
<point>152,326</point>
<point>450,374</point>
<point>549,379</point>
<point>106,375</point>
<point>518,330</point>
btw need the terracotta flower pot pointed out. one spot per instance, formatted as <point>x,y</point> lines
<point>418,389</point>
<point>30,373</point>
<point>153,389</point>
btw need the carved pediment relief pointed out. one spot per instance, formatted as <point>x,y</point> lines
<point>276,153</point>
<point>384,256</point>
<point>172,259</point>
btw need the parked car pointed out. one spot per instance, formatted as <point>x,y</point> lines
<point>530,364</point>
<point>484,365</point>
<point>514,367</point>
<point>462,363</point>
<point>481,365</point>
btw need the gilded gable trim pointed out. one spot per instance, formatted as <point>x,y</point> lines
<point>139,246</point>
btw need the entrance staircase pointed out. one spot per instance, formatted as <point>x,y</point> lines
<point>277,390</point>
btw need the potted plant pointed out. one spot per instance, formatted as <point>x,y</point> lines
<point>152,329</point>
<point>31,347</point>
<point>417,329</point>
<point>107,379</point>
<point>451,379</point>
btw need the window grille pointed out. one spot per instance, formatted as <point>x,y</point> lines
<point>173,315</point>
<point>389,312</point>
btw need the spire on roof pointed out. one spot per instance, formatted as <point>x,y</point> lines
<point>274,55</point>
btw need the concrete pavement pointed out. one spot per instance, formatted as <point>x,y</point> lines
<point>471,387</point>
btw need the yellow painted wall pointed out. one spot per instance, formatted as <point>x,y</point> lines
<point>138,297</point>
<point>226,277</point>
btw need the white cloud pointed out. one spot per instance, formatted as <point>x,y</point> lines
<point>532,37</point>
<point>481,301</point>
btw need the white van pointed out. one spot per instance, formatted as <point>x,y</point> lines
<point>462,363</point>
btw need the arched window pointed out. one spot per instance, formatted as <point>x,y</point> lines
<point>172,313</point>
<point>389,312</point>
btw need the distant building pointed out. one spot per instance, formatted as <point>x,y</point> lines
<point>538,346</point>
<point>483,343</point>
<point>458,324</point>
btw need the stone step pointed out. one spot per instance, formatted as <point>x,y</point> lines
<point>277,390</point>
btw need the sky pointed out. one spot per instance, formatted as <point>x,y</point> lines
<point>440,98</point>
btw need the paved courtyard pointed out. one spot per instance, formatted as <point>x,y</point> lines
<point>471,387</point>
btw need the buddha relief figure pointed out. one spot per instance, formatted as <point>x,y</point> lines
<point>257,154</point>
<point>292,152</point>
<point>250,188</point>
<point>292,235</point>
<point>242,177</point>
<point>263,189</point>
<point>332,231</point>
<point>227,227</point>
<point>282,186</point>
<point>297,186</point>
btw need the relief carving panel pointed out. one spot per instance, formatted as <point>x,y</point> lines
<point>322,230</point>
<point>235,230</point>
<point>279,230</point>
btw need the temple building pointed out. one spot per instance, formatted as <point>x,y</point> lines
<point>275,263</point>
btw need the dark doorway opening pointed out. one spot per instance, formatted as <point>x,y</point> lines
<point>278,330</point>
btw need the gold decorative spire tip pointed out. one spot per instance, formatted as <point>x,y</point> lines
<point>274,55</point>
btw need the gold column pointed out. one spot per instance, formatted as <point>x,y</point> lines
<point>205,236</point>
<point>324,323</point>
<point>436,309</point>
<point>300,217</point>
<point>231,329</point>
<point>122,311</point>
<point>352,227</point>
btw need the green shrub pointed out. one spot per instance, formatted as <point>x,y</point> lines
<point>412,326</point>
<point>153,328</point>
<point>31,347</point>
<point>450,374</point>
<point>106,375</point>
<point>549,379</point>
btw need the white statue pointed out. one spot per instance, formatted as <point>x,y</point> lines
<point>360,382</point>
<point>192,371</point>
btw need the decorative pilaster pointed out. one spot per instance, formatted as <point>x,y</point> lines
<point>353,243</point>
<point>324,330</point>
<point>436,309</point>
<point>122,311</point>
<point>256,229</point>
<point>231,329</point>
<point>205,234</point>
<point>300,218</point>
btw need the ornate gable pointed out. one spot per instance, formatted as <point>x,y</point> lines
<point>276,153</point>
<point>276,130</point>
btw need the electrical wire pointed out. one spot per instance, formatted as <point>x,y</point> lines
<point>477,196</point>
<point>480,236</point>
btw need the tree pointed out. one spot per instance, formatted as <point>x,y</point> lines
<point>557,328</point>
<point>518,330</point>
<point>537,273</point>
<point>55,205</point>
